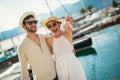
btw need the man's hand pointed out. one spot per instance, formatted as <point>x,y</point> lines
<point>74,51</point>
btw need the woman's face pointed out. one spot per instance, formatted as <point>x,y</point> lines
<point>53,26</point>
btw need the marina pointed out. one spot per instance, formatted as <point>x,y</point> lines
<point>96,39</point>
<point>100,60</point>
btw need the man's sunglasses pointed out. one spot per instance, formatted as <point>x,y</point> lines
<point>50,26</point>
<point>31,22</point>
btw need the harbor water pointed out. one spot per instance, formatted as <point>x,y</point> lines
<point>101,61</point>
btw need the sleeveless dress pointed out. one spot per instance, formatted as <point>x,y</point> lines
<point>67,65</point>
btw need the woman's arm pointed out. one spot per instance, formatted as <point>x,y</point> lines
<point>68,20</point>
<point>68,30</point>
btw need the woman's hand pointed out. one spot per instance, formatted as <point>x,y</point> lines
<point>69,19</point>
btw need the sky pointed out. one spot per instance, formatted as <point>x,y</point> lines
<point>11,10</point>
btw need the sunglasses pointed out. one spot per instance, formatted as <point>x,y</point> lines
<point>31,22</point>
<point>53,25</point>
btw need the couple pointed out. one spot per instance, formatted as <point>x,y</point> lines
<point>37,50</point>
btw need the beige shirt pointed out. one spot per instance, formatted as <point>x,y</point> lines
<point>39,57</point>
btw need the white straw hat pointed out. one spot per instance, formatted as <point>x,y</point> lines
<point>25,15</point>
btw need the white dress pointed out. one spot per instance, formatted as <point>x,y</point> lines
<point>67,65</point>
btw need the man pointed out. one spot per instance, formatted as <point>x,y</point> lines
<point>34,50</point>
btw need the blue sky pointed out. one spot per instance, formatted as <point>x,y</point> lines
<point>11,10</point>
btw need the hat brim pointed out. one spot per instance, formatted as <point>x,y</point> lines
<point>52,18</point>
<point>25,15</point>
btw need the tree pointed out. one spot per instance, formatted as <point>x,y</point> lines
<point>89,8</point>
<point>114,3</point>
<point>82,11</point>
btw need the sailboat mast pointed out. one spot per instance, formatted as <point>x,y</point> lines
<point>63,7</point>
<point>49,8</point>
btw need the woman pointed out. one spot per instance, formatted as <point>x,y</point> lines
<point>67,65</point>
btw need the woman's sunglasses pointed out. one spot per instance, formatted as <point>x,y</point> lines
<point>53,25</point>
<point>31,22</point>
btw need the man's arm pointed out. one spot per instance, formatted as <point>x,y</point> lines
<point>49,43</point>
<point>23,64</point>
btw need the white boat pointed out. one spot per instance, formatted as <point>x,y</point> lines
<point>12,73</point>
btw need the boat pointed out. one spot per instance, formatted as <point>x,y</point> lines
<point>81,43</point>
<point>12,73</point>
<point>8,61</point>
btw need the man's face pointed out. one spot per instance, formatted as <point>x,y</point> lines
<point>30,25</point>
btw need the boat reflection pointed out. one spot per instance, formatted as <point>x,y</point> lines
<point>86,51</point>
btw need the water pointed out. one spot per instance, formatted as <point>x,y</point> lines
<point>103,62</point>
